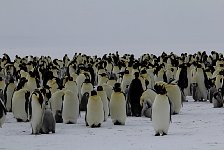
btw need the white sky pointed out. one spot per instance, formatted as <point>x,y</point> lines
<point>99,26</point>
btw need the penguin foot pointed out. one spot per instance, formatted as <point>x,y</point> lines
<point>164,133</point>
<point>117,123</point>
<point>19,120</point>
<point>99,125</point>
<point>70,122</point>
<point>157,134</point>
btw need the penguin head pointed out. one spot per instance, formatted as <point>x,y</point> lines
<point>117,87</point>
<point>99,88</point>
<point>160,88</point>
<point>87,80</point>
<point>38,96</point>
<point>136,75</point>
<point>93,93</point>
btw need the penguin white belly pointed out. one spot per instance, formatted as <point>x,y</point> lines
<point>161,114</point>
<point>70,110</point>
<point>118,107</point>
<point>10,91</point>
<point>95,114</point>
<point>56,101</point>
<point>174,94</point>
<point>103,96</point>
<point>37,117</point>
<point>18,106</point>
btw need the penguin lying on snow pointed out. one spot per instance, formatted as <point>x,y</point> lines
<point>161,115</point>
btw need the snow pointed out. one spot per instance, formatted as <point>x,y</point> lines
<point>198,126</point>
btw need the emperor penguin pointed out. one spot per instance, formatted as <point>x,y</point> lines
<point>2,113</point>
<point>70,111</point>
<point>56,102</point>
<point>118,106</point>
<point>217,99</point>
<point>146,101</point>
<point>202,81</point>
<point>86,89</point>
<point>37,104</point>
<point>161,116</point>
<point>103,95</point>
<point>33,82</point>
<point>94,114</point>
<point>20,103</point>
<point>126,80</point>
<point>174,94</point>
<point>8,93</point>
<point>49,123</point>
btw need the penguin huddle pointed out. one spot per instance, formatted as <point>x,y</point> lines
<point>45,91</point>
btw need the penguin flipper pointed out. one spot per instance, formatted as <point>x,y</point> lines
<point>3,106</point>
<point>170,111</point>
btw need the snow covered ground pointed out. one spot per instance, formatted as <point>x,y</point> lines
<point>198,126</point>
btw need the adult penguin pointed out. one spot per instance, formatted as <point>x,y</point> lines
<point>161,116</point>
<point>37,104</point>
<point>126,80</point>
<point>103,95</point>
<point>174,94</point>
<point>56,102</point>
<point>134,94</point>
<point>118,106</point>
<point>8,93</point>
<point>86,89</point>
<point>20,102</point>
<point>70,111</point>
<point>94,114</point>
<point>202,82</point>
<point>2,112</point>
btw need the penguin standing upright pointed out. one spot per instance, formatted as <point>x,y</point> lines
<point>37,104</point>
<point>20,101</point>
<point>94,114</point>
<point>70,111</point>
<point>48,124</point>
<point>8,93</point>
<point>56,103</point>
<point>134,94</point>
<point>174,94</point>
<point>105,101</point>
<point>118,106</point>
<point>161,115</point>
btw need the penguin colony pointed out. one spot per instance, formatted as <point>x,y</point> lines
<point>45,91</point>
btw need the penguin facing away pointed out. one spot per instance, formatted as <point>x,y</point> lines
<point>161,115</point>
<point>94,114</point>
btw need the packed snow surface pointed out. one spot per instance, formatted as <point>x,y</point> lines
<point>198,126</point>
